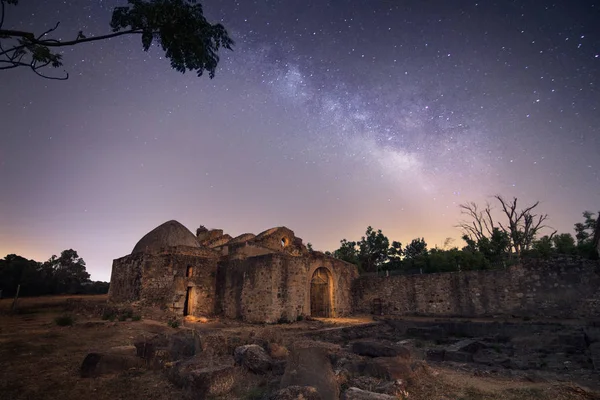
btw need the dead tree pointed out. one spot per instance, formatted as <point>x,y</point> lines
<point>480,223</point>
<point>522,225</point>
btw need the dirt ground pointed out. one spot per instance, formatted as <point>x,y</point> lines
<point>41,360</point>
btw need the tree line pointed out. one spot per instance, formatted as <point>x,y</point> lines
<point>65,274</point>
<point>491,240</point>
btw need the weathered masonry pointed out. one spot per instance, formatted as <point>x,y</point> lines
<point>268,277</point>
<point>558,288</point>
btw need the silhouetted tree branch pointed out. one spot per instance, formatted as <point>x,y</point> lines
<point>190,42</point>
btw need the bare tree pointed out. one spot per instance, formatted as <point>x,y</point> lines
<point>521,225</point>
<point>480,223</point>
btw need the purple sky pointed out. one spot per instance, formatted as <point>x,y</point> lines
<point>328,116</point>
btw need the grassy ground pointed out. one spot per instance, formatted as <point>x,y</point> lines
<point>41,360</point>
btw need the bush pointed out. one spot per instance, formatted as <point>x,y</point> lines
<point>64,320</point>
<point>255,394</point>
<point>173,323</point>
<point>108,315</point>
<point>136,318</point>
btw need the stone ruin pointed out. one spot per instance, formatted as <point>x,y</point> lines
<point>265,278</point>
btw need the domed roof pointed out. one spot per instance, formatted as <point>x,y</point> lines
<point>169,234</point>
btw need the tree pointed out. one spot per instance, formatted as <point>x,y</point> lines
<point>373,249</point>
<point>189,41</point>
<point>68,272</point>
<point>543,247</point>
<point>564,243</point>
<point>521,226</point>
<point>395,254</point>
<point>588,235</point>
<point>64,274</point>
<point>415,248</point>
<point>347,252</point>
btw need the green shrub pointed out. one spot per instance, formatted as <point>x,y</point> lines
<point>300,317</point>
<point>108,315</point>
<point>64,320</point>
<point>255,394</point>
<point>136,317</point>
<point>173,323</point>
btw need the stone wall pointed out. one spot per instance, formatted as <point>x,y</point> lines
<point>275,287</point>
<point>162,279</point>
<point>558,288</point>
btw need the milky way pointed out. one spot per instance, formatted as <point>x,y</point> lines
<point>327,117</point>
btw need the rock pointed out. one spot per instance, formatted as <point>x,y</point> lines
<point>427,333</point>
<point>96,364</point>
<point>372,348</point>
<point>278,368</point>
<point>466,345</point>
<point>216,343</point>
<point>160,349</point>
<point>310,366</point>
<point>253,357</point>
<point>595,355</point>
<point>435,354</point>
<point>297,393</point>
<point>359,394</point>
<point>349,365</point>
<point>489,357</point>
<point>204,377</point>
<point>389,368</point>
<point>458,356</point>
<point>463,350</point>
<point>574,342</point>
<point>592,334</point>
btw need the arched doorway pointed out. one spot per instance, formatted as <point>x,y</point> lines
<point>321,291</point>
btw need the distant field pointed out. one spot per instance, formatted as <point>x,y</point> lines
<point>27,303</point>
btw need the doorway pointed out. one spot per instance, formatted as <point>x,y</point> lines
<point>321,291</point>
<point>187,305</point>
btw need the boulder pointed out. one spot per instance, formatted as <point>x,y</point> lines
<point>435,354</point>
<point>359,394</point>
<point>202,377</point>
<point>253,357</point>
<point>458,356</point>
<point>162,348</point>
<point>96,364</point>
<point>463,350</point>
<point>297,393</point>
<point>389,368</point>
<point>310,366</point>
<point>373,348</point>
<point>466,345</point>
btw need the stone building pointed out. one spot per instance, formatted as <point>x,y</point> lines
<point>257,278</point>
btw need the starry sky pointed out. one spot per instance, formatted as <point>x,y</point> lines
<point>327,117</point>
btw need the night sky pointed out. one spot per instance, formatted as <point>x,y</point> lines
<point>327,117</point>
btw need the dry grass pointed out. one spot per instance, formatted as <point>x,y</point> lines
<point>446,384</point>
<point>41,360</point>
